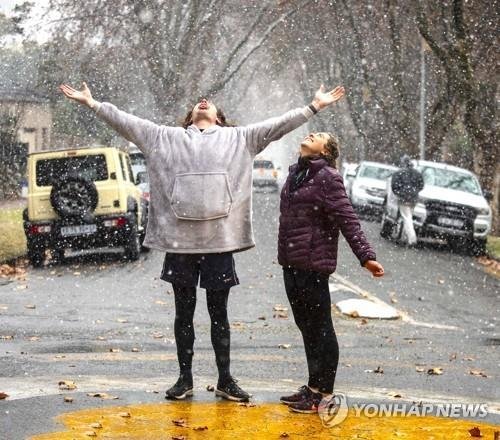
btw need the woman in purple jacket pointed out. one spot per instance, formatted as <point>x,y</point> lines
<point>314,208</point>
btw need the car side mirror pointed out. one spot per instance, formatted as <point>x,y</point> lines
<point>488,195</point>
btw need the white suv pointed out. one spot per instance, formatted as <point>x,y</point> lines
<point>451,206</point>
<point>368,188</point>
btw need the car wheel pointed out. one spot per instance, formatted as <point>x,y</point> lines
<point>36,255</point>
<point>133,244</point>
<point>386,228</point>
<point>73,196</point>
<point>475,247</point>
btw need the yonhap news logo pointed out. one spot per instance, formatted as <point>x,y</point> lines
<point>335,410</point>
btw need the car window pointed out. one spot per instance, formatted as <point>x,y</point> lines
<point>122,165</point>
<point>267,164</point>
<point>450,179</point>
<point>92,167</point>
<point>137,159</point>
<point>129,168</point>
<point>378,173</point>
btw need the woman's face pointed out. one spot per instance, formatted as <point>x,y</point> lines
<point>314,144</point>
<point>205,109</point>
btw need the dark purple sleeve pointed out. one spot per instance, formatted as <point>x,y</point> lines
<point>339,208</point>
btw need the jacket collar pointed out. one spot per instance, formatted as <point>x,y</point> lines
<point>195,129</point>
<point>313,163</point>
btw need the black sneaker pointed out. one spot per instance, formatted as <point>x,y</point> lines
<point>304,391</point>
<point>231,391</point>
<point>309,405</point>
<point>182,389</point>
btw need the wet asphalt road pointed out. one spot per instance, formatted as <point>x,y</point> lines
<point>80,311</point>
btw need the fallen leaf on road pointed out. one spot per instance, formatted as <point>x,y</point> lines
<point>22,287</point>
<point>135,350</point>
<point>280,308</point>
<point>262,318</point>
<point>6,337</point>
<point>210,388</point>
<point>364,321</point>
<point>30,306</point>
<point>354,314</point>
<point>77,273</point>
<point>96,425</point>
<point>180,422</point>
<point>3,396</point>
<point>158,335</point>
<point>67,385</point>
<point>395,395</point>
<point>440,281</point>
<point>103,396</point>
<point>453,357</point>
<point>124,414</point>
<point>282,315</point>
<point>284,435</point>
<point>420,369</point>
<point>59,356</point>
<point>33,338</point>
<point>114,350</point>
<point>200,428</point>
<point>469,359</point>
<point>68,399</point>
<point>475,432</point>
<point>122,320</point>
<point>90,434</point>
<point>378,370</point>
<point>101,338</point>
<point>161,303</point>
<point>178,437</point>
<point>436,371</point>
<point>237,324</point>
<point>247,404</point>
<point>477,373</point>
<point>284,346</point>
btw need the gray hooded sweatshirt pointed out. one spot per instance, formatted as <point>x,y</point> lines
<point>200,182</point>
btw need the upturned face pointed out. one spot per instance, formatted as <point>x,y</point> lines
<point>314,144</point>
<point>206,110</point>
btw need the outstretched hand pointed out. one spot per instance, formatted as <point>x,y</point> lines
<point>375,268</point>
<point>323,99</point>
<point>81,96</point>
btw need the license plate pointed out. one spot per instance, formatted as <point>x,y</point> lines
<point>67,231</point>
<point>445,221</point>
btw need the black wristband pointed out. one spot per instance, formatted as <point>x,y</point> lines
<point>313,109</point>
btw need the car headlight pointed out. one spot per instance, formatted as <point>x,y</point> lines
<point>483,211</point>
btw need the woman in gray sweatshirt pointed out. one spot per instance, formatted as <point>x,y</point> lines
<point>200,211</point>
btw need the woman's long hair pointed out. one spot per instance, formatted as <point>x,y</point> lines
<point>332,150</point>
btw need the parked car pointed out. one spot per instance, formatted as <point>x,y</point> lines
<point>451,206</point>
<point>265,174</point>
<point>348,172</point>
<point>80,199</point>
<point>368,188</point>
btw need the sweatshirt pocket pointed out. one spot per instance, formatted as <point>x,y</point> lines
<point>201,196</point>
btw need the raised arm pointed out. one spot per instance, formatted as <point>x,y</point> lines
<point>338,207</point>
<point>260,135</point>
<point>141,132</point>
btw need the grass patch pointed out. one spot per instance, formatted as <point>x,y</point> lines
<point>12,237</point>
<point>493,247</point>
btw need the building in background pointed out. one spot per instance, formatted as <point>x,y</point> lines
<point>34,117</point>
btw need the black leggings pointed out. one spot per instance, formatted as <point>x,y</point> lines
<point>309,298</point>
<point>185,304</point>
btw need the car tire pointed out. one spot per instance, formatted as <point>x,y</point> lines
<point>476,247</point>
<point>386,228</point>
<point>36,255</point>
<point>73,196</point>
<point>133,244</point>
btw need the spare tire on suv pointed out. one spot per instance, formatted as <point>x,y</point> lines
<point>73,196</point>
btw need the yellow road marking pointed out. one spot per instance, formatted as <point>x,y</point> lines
<point>224,420</point>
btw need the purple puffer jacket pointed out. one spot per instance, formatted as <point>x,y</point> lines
<point>311,217</point>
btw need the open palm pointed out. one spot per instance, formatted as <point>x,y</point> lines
<point>81,96</point>
<point>323,99</point>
